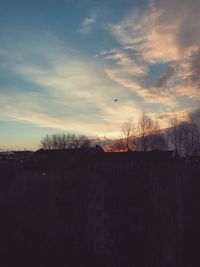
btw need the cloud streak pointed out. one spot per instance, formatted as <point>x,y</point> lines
<point>64,91</point>
<point>87,25</point>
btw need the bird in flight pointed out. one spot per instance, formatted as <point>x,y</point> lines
<point>115,100</point>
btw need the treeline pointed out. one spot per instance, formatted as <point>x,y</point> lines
<point>147,135</point>
<point>65,141</point>
<point>143,135</point>
<point>184,136</point>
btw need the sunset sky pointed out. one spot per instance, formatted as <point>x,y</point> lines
<point>63,62</point>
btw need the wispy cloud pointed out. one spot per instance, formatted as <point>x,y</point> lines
<point>131,75</point>
<point>146,37</point>
<point>63,90</point>
<point>187,90</point>
<point>87,24</point>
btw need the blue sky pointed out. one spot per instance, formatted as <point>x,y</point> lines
<point>63,62</point>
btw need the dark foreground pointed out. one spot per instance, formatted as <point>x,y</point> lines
<point>135,209</point>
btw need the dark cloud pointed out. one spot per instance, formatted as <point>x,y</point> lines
<point>180,20</point>
<point>185,15</point>
<point>166,77</point>
<point>194,69</point>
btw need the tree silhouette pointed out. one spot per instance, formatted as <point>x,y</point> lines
<point>65,141</point>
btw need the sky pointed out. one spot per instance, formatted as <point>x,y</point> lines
<point>64,62</point>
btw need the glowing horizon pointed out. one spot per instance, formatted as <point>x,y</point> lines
<point>63,63</point>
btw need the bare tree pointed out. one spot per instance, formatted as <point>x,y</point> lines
<point>156,139</point>
<point>184,135</point>
<point>150,136</point>
<point>194,139</point>
<point>84,141</point>
<point>118,145</point>
<point>128,132</point>
<point>175,134</point>
<point>145,123</point>
<point>46,142</point>
<point>63,141</point>
<point>190,136</point>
